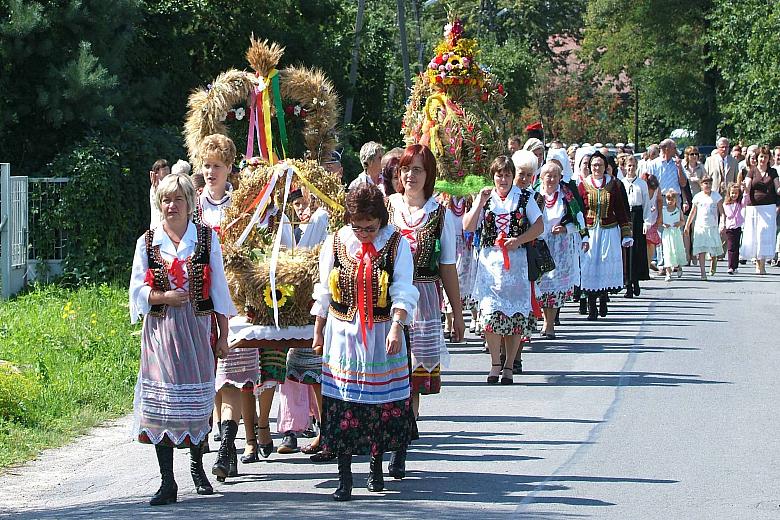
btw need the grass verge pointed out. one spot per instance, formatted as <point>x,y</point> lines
<point>70,362</point>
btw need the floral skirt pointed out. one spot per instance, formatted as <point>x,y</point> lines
<point>503,325</point>
<point>366,429</point>
<point>554,299</point>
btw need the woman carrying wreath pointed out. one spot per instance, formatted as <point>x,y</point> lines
<point>563,225</point>
<point>607,221</point>
<point>508,217</point>
<point>178,285</point>
<point>362,302</point>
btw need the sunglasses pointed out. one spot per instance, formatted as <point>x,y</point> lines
<point>694,153</point>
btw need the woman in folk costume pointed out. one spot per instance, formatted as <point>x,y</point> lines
<point>431,232</point>
<point>364,299</point>
<point>178,285</point>
<point>564,224</point>
<point>237,373</point>
<point>607,221</point>
<point>508,217</point>
<point>464,263</point>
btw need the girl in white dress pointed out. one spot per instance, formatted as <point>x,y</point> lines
<point>707,207</point>
<point>508,217</point>
<point>674,251</point>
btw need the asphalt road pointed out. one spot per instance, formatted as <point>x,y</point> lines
<point>666,409</point>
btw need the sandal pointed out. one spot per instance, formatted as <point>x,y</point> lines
<point>268,448</point>
<point>311,449</point>
<point>492,380</point>
<point>507,380</point>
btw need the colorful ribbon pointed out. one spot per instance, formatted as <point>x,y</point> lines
<point>316,191</point>
<point>206,281</point>
<point>365,289</point>
<point>279,114</point>
<point>535,307</point>
<point>288,172</point>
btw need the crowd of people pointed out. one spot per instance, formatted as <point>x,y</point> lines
<point>577,225</point>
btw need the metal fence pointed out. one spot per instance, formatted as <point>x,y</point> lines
<point>48,241</point>
<point>13,232</point>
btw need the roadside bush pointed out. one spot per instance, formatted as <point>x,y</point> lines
<point>17,392</point>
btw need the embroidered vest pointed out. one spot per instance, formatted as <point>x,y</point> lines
<point>518,221</point>
<point>197,267</point>
<point>426,255</point>
<point>343,278</point>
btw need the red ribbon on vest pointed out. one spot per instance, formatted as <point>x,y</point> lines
<point>149,278</point>
<point>365,292</point>
<point>501,242</point>
<point>176,269</point>
<point>206,281</point>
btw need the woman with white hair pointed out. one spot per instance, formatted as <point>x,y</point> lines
<point>371,159</point>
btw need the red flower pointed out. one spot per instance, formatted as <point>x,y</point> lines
<point>438,60</point>
<point>289,110</point>
<point>344,424</point>
<point>484,96</point>
<point>231,115</point>
<point>501,89</point>
<point>397,411</point>
<point>385,416</point>
<point>354,422</point>
<point>348,415</point>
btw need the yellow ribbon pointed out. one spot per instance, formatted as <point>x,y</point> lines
<point>316,191</point>
<point>431,126</point>
<point>267,116</point>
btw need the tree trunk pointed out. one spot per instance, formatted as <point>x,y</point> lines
<point>404,47</point>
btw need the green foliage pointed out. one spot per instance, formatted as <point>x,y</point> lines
<point>657,46</point>
<point>61,64</point>
<point>109,185</point>
<point>78,355</point>
<point>745,47</point>
<point>17,391</point>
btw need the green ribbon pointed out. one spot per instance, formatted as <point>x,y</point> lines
<point>279,114</point>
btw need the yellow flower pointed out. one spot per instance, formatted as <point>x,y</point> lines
<point>283,292</point>
<point>333,285</point>
<point>384,286</point>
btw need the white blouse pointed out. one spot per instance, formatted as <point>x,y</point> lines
<point>639,195</point>
<point>401,217</point>
<point>402,291</point>
<point>502,207</point>
<point>214,210</point>
<point>139,291</point>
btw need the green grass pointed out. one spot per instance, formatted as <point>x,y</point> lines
<point>73,364</point>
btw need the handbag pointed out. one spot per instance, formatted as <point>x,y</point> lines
<point>540,260</point>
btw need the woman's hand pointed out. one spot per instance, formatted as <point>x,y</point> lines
<point>394,338</point>
<point>512,243</point>
<point>176,298</point>
<point>458,328</point>
<point>317,342</point>
<point>484,195</point>
<point>221,348</point>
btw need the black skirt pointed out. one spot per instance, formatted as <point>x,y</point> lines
<point>636,268</point>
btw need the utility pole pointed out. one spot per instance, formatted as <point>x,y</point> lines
<point>353,67</point>
<point>404,47</point>
<point>636,117</point>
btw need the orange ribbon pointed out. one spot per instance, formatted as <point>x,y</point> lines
<point>365,293</point>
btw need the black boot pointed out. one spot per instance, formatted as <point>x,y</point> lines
<point>376,481</point>
<point>233,466</point>
<point>558,316</point>
<point>222,465</point>
<point>168,489</point>
<point>603,305</point>
<point>344,491</point>
<point>629,290</point>
<point>199,478</point>
<point>637,290</point>
<point>583,306</point>
<point>591,307</point>
<point>397,466</point>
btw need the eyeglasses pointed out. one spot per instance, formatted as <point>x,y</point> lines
<point>694,153</point>
<point>368,229</point>
<point>414,171</point>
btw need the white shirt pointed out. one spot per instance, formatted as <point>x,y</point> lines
<point>403,294</point>
<point>402,219</point>
<point>139,291</point>
<point>639,195</point>
<point>156,215</point>
<point>501,207</point>
<point>214,210</point>
<point>364,178</point>
<point>316,230</point>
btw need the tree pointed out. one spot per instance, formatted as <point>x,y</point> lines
<point>746,48</point>
<point>658,46</point>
